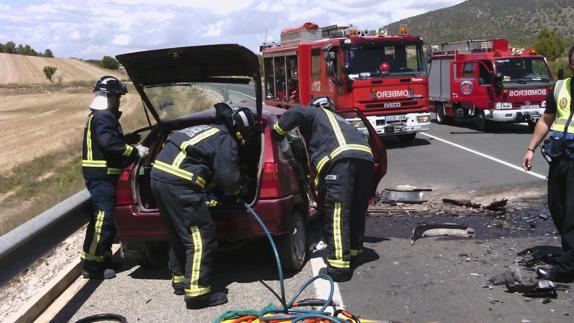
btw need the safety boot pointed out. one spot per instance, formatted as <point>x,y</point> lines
<point>338,275</point>
<point>208,300</point>
<point>178,288</point>
<point>106,273</point>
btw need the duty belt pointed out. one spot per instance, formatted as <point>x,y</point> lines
<point>182,173</point>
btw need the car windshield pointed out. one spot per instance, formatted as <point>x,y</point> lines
<point>180,99</point>
<point>369,60</point>
<point>522,69</point>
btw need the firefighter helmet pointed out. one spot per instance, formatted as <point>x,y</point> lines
<point>110,85</point>
<point>242,123</point>
<point>324,102</point>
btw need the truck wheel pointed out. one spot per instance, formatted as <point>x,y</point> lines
<point>439,115</point>
<point>482,124</point>
<point>292,247</point>
<point>155,254</point>
<point>408,138</point>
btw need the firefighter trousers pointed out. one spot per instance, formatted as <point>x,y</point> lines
<point>101,230</point>
<point>347,187</point>
<point>191,235</point>
<point>561,205</point>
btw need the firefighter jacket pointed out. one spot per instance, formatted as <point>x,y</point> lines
<point>329,136</point>
<point>201,155</point>
<point>563,99</point>
<point>104,150</point>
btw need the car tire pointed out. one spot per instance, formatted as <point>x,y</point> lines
<point>155,254</point>
<point>292,247</point>
<point>482,124</point>
<point>439,115</point>
<point>408,138</point>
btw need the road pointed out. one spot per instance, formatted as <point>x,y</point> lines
<point>433,280</point>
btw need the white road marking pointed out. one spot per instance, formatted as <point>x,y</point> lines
<point>249,96</point>
<point>485,156</point>
<point>322,286</point>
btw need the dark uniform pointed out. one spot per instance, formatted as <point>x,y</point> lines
<point>561,173</point>
<point>104,154</point>
<point>191,160</point>
<point>344,167</point>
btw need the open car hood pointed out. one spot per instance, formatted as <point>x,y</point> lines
<point>226,63</point>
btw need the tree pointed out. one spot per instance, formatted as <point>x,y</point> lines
<point>110,63</point>
<point>49,71</point>
<point>549,44</point>
<point>48,53</point>
<point>10,47</point>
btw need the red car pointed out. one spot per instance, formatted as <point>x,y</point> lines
<point>178,87</point>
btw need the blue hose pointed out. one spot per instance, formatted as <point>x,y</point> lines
<point>289,313</point>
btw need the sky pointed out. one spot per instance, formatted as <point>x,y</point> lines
<point>91,29</point>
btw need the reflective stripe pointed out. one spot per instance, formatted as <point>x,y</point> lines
<point>128,150</point>
<point>335,126</point>
<point>355,252</point>
<point>339,263</point>
<point>178,172</point>
<point>93,163</point>
<point>561,93</point>
<point>181,156</point>
<point>114,171</point>
<point>89,138</point>
<point>88,257</point>
<point>97,234</point>
<point>194,288</point>
<point>321,164</point>
<point>337,239</point>
<point>177,279</point>
<point>278,129</point>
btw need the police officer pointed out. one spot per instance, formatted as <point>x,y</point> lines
<point>192,160</point>
<point>344,172</point>
<point>105,152</point>
<point>559,148</point>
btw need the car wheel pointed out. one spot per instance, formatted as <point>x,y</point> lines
<point>292,247</point>
<point>408,138</point>
<point>482,124</point>
<point>155,254</point>
<point>439,115</point>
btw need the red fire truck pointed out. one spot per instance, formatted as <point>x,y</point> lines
<point>382,75</point>
<point>488,81</point>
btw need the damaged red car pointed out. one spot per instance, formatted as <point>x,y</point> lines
<point>179,87</point>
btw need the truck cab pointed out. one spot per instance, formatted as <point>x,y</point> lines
<point>488,81</point>
<point>382,75</point>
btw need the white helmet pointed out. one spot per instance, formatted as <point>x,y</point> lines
<point>324,102</point>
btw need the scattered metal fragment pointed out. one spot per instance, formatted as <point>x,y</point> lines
<point>461,202</point>
<point>543,216</point>
<point>404,194</point>
<point>441,229</point>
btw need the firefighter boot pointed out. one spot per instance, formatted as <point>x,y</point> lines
<point>178,288</point>
<point>211,299</point>
<point>338,275</point>
<point>106,273</point>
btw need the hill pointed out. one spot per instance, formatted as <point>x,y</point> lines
<point>517,20</point>
<point>20,69</point>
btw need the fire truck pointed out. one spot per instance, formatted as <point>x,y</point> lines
<point>382,75</point>
<point>488,81</point>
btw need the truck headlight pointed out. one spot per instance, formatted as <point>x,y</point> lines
<point>423,119</point>
<point>356,123</point>
<point>506,105</point>
<point>498,105</point>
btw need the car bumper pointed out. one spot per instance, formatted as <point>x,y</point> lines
<point>513,115</point>
<point>400,124</point>
<point>231,225</point>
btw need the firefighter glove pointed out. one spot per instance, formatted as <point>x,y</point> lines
<point>142,150</point>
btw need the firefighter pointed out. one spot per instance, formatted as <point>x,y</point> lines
<point>343,163</point>
<point>193,161</point>
<point>559,150</point>
<point>105,152</point>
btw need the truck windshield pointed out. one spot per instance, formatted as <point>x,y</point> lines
<point>373,60</point>
<point>522,69</point>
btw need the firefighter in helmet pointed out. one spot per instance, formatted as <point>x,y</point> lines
<point>344,168</point>
<point>193,161</point>
<point>105,152</point>
<point>559,151</point>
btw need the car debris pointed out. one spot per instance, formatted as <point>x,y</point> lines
<point>497,205</point>
<point>441,229</point>
<point>404,194</point>
<point>462,202</point>
<point>525,282</point>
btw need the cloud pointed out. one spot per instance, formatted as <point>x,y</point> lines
<point>92,29</point>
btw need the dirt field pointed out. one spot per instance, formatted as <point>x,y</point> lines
<point>32,125</point>
<point>20,69</point>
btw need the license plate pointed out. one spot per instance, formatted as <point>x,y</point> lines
<point>529,107</point>
<point>393,118</point>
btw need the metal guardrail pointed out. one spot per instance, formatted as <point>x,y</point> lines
<point>43,222</point>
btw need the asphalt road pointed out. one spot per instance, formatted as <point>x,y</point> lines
<point>433,280</point>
